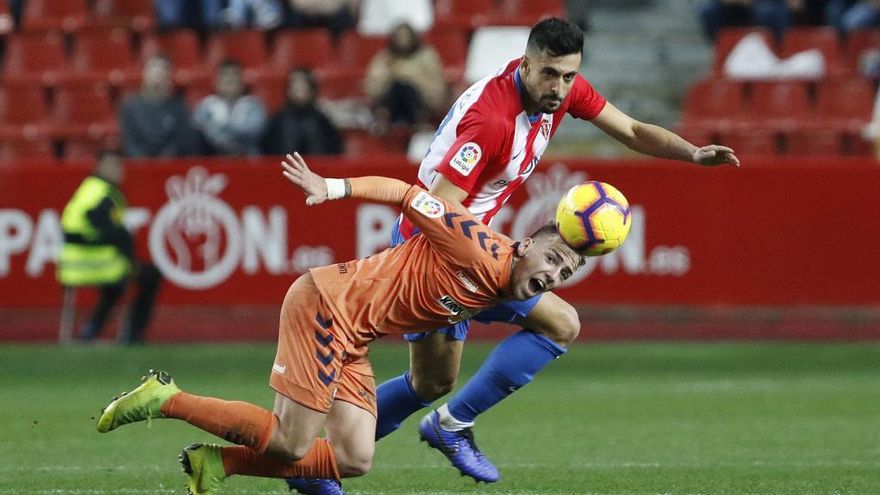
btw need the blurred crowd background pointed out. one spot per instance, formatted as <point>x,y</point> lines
<point>172,78</point>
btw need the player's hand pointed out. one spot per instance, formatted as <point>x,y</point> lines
<point>312,184</point>
<point>714,154</point>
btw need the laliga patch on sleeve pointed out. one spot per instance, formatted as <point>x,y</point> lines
<point>428,205</point>
<point>467,158</point>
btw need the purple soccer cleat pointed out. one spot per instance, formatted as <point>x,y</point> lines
<point>459,447</point>
<point>315,486</point>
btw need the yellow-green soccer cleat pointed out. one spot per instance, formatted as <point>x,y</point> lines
<point>203,465</point>
<point>140,404</point>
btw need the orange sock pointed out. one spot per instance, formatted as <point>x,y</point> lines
<point>319,462</point>
<point>234,421</point>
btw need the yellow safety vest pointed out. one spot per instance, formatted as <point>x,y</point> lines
<point>84,260</point>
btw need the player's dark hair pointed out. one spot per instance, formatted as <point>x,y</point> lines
<point>557,36</point>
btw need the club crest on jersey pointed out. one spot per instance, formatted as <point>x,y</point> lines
<point>428,205</point>
<point>467,158</point>
<point>459,312</point>
<point>546,126</point>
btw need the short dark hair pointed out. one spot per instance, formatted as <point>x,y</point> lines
<point>557,36</point>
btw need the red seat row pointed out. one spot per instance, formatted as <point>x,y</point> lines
<point>110,54</point>
<point>845,102</point>
<point>71,15</point>
<point>841,56</point>
<point>357,143</point>
<point>799,141</point>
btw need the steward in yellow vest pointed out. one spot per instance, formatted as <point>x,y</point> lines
<point>98,251</point>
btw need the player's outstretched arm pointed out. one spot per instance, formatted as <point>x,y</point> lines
<point>656,141</point>
<point>318,189</point>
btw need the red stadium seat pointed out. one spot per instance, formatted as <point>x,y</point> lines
<point>68,15</point>
<point>451,46</point>
<point>26,149</point>
<point>356,51</point>
<point>728,38</point>
<point>182,47</point>
<point>7,23</point>
<point>846,102</point>
<point>83,111</point>
<point>699,135</point>
<point>87,148</point>
<point>22,105</point>
<point>779,104</point>
<point>526,12</point>
<point>312,48</point>
<point>809,141</point>
<point>824,39</point>
<point>754,141</point>
<point>340,86</point>
<point>860,45</point>
<point>714,100</point>
<point>247,47</point>
<point>132,14</point>
<point>856,144</point>
<point>361,143</point>
<point>197,90</point>
<point>103,54</point>
<point>271,89</point>
<point>462,14</point>
<point>34,58</point>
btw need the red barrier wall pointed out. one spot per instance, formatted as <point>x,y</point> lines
<point>224,232</point>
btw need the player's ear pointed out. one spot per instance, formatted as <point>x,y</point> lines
<point>524,246</point>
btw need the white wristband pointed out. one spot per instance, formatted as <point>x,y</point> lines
<point>335,188</point>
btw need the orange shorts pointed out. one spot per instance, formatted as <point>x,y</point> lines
<point>311,365</point>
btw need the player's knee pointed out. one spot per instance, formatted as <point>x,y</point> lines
<point>433,387</point>
<point>352,466</point>
<point>566,326</point>
<point>287,447</point>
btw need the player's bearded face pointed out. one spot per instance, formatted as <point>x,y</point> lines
<point>541,265</point>
<point>548,79</point>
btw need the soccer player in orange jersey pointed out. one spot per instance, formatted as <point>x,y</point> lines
<point>321,374</point>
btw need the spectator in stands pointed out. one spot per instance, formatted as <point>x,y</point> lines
<point>774,14</point>
<point>172,14</point>
<point>850,15</point>
<point>239,14</point>
<point>98,251</point>
<point>230,121</point>
<point>335,15</point>
<point>300,125</point>
<point>405,81</point>
<point>155,122</point>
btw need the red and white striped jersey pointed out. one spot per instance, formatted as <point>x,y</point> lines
<point>488,145</point>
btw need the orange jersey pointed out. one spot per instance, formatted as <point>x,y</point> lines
<point>450,272</point>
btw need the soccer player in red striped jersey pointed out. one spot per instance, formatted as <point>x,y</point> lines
<point>486,147</point>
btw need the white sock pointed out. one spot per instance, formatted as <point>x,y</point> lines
<point>448,421</point>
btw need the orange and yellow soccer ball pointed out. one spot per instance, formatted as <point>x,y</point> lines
<point>593,218</point>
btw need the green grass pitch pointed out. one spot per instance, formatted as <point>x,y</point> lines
<point>623,419</point>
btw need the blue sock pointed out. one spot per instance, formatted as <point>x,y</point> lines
<point>395,400</point>
<point>511,365</point>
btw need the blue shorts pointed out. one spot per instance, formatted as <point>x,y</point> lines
<point>505,312</point>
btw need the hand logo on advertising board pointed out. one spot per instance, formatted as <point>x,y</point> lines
<point>195,239</point>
